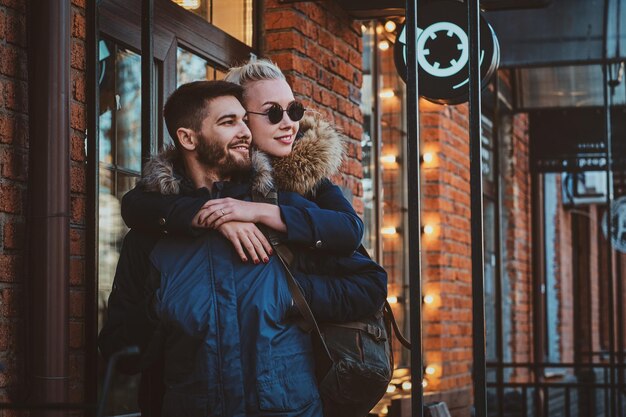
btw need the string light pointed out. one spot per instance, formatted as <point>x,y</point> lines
<point>392,299</point>
<point>424,383</point>
<point>390,26</point>
<point>428,157</point>
<point>428,229</point>
<point>389,231</point>
<point>391,388</point>
<point>430,370</point>
<point>383,45</point>
<point>406,385</point>
<point>429,299</point>
<point>387,93</point>
<point>389,159</point>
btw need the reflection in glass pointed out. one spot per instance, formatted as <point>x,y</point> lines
<point>191,67</point>
<point>120,165</point>
<point>369,145</point>
<point>234,17</point>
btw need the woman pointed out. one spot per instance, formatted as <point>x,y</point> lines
<point>289,156</point>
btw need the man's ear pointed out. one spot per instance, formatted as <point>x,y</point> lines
<point>187,138</point>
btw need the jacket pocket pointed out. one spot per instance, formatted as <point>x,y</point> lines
<point>289,386</point>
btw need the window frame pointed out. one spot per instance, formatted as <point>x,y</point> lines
<point>120,22</point>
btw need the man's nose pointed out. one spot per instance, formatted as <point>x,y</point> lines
<point>244,131</point>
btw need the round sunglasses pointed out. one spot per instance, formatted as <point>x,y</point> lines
<point>295,110</point>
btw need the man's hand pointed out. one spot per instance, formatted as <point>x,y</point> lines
<point>247,235</point>
<point>215,213</point>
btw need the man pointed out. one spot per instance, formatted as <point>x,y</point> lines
<point>219,328</point>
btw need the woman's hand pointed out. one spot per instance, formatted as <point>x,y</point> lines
<point>215,213</point>
<point>247,236</point>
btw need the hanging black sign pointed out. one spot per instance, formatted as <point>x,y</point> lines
<point>443,52</point>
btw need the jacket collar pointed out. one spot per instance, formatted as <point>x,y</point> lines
<point>317,154</point>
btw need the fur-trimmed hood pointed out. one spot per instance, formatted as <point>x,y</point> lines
<point>317,154</point>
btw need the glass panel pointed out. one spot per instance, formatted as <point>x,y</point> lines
<point>490,277</point>
<point>572,86</point>
<point>191,67</point>
<point>554,276</point>
<point>369,144</point>
<point>234,17</point>
<point>120,150</point>
<point>128,115</point>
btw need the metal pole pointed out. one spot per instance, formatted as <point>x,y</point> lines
<point>91,220</point>
<point>413,152</point>
<point>609,200</point>
<point>476,196</point>
<point>147,79</point>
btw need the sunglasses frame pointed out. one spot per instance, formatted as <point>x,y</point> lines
<point>277,109</point>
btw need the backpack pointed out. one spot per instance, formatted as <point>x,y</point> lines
<point>353,361</point>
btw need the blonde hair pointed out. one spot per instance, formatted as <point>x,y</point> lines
<point>254,70</point>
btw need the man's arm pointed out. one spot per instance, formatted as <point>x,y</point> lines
<point>130,320</point>
<point>152,212</point>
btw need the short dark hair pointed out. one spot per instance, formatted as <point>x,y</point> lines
<point>187,105</point>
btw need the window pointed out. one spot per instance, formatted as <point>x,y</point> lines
<point>186,48</point>
<point>232,16</point>
<point>119,169</point>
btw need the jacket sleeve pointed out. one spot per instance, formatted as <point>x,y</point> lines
<point>331,224</point>
<point>129,318</point>
<point>152,212</point>
<point>342,289</point>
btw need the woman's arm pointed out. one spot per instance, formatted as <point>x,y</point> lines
<point>330,224</point>
<point>342,289</point>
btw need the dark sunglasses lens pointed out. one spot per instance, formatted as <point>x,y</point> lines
<point>295,111</point>
<point>275,114</point>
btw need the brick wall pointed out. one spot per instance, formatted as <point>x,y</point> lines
<point>78,124</point>
<point>517,226</point>
<point>319,46</point>
<point>13,188</point>
<point>14,143</point>
<point>446,260</point>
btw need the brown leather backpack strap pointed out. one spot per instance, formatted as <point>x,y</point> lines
<point>389,313</point>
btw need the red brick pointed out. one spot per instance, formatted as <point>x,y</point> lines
<point>9,333</point>
<point>77,178</point>
<point>79,92</point>
<point>11,201</point>
<point>16,30</point>
<point>15,95</point>
<point>77,271</point>
<point>77,151</point>
<point>13,164</point>
<point>19,5</point>
<point>3,24</point>
<point>78,210</point>
<point>13,235</point>
<point>77,242</point>
<point>77,55</point>
<point>78,118</point>
<point>77,303</point>
<point>77,334</point>
<point>79,25</point>
<point>10,268</point>
<point>9,302</point>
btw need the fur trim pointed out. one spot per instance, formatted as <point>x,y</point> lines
<point>158,174</point>
<point>263,180</point>
<point>318,154</point>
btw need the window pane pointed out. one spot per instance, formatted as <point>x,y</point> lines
<point>191,67</point>
<point>120,166</point>
<point>234,17</point>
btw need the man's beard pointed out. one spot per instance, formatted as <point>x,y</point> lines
<point>217,157</point>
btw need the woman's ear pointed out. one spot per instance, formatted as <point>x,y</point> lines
<point>187,138</point>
